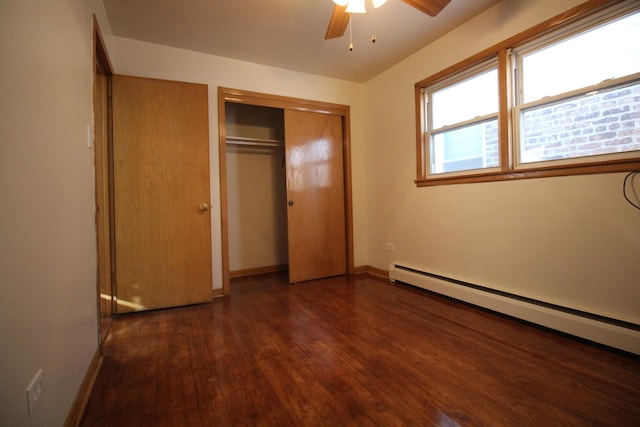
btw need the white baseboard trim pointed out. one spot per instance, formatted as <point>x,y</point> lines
<point>607,333</point>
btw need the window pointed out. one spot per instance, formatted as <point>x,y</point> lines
<point>463,118</point>
<point>560,102</point>
<point>583,104</point>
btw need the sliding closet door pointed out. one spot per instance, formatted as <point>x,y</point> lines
<point>316,195</point>
<point>161,191</point>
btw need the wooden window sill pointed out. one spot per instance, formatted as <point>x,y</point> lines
<point>552,171</point>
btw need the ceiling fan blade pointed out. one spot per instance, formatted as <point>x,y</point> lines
<point>430,7</point>
<point>337,23</point>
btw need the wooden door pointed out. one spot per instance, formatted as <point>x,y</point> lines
<point>316,195</point>
<point>161,193</point>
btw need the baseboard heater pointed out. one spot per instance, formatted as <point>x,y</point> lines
<point>604,330</point>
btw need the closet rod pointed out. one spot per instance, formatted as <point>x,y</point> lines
<point>256,142</point>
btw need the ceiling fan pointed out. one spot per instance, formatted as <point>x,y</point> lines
<point>340,17</point>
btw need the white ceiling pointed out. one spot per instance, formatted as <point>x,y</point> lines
<point>289,33</point>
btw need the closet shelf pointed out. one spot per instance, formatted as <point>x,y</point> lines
<point>255,142</point>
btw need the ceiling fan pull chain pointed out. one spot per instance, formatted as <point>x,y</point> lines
<point>350,33</point>
<point>373,25</point>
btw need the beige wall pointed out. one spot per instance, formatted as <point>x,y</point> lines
<point>47,229</point>
<point>257,208</point>
<point>572,241</point>
<point>149,60</point>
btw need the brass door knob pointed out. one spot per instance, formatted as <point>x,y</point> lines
<point>203,207</point>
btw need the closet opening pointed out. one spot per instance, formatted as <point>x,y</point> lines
<point>285,186</point>
<point>256,189</point>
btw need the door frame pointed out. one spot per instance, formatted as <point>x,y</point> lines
<point>103,166</point>
<point>283,102</point>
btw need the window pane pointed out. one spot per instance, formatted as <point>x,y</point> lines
<point>593,124</point>
<point>606,52</point>
<point>470,147</point>
<point>477,96</point>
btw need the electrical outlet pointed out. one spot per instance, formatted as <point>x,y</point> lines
<point>34,392</point>
<point>390,247</point>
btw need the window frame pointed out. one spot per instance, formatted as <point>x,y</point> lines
<point>507,123</point>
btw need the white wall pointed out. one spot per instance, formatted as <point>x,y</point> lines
<point>136,58</point>
<point>572,241</point>
<point>48,275</point>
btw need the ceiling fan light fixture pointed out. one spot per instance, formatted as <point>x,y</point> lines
<point>343,10</point>
<point>356,6</point>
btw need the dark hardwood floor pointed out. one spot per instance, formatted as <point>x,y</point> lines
<point>352,351</point>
